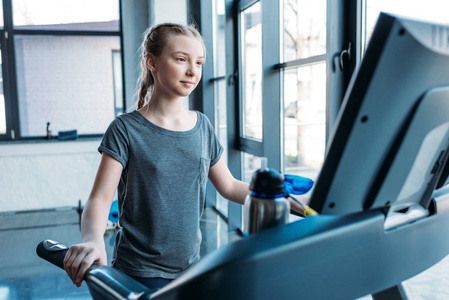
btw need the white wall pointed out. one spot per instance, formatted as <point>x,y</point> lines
<point>46,175</point>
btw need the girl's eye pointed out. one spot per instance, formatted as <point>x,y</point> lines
<point>199,63</point>
<point>181,59</point>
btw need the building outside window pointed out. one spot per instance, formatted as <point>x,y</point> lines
<point>251,55</point>
<point>65,68</point>
<point>304,86</point>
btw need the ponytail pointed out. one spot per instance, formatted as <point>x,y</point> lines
<point>146,83</point>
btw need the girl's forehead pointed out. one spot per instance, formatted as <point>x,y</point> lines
<point>184,43</point>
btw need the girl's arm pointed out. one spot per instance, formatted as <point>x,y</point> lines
<point>236,190</point>
<point>229,187</point>
<point>94,220</point>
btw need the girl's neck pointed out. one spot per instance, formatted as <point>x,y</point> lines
<point>166,109</point>
<point>169,115</point>
<point>165,104</point>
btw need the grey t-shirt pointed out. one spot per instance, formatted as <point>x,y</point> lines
<point>161,193</point>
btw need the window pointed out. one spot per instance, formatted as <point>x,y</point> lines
<point>305,119</point>
<point>304,86</point>
<point>2,94</point>
<point>2,99</point>
<point>304,29</point>
<point>220,86</point>
<point>251,27</point>
<point>251,164</point>
<point>280,57</point>
<point>65,80</point>
<point>90,15</point>
<point>118,82</point>
<point>67,67</point>
<point>251,90</point>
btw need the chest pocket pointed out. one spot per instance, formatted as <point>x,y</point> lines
<point>204,169</point>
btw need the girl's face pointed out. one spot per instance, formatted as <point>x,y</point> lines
<point>177,71</point>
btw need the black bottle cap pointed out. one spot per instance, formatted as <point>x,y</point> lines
<point>267,183</point>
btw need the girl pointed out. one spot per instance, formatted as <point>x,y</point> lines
<point>158,158</point>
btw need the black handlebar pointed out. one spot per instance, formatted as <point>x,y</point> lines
<point>53,252</point>
<point>104,282</point>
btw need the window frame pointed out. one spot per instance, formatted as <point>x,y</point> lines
<point>7,44</point>
<point>342,25</point>
<point>247,144</point>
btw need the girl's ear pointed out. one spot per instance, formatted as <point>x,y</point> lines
<point>151,62</point>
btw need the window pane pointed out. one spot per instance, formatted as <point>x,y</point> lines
<point>2,100</point>
<point>220,88</point>
<point>219,38</point>
<point>222,132</point>
<point>2,114</point>
<point>304,28</point>
<point>430,10</point>
<point>304,119</point>
<point>1,14</point>
<point>118,88</point>
<point>102,15</point>
<point>251,163</point>
<point>252,71</point>
<point>67,81</point>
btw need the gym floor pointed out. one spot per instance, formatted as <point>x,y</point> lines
<point>23,275</point>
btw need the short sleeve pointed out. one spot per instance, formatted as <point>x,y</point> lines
<point>115,142</point>
<point>216,149</point>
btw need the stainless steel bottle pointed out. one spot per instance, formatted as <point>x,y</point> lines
<point>266,204</point>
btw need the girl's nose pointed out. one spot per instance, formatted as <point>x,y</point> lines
<point>191,70</point>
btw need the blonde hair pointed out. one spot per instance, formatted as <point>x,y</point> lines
<point>155,39</point>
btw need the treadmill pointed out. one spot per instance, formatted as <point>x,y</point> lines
<point>382,195</point>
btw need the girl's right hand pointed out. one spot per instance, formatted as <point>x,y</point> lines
<point>80,257</point>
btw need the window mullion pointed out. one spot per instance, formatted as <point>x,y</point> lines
<point>271,84</point>
<point>9,75</point>
<point>301,62</point>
